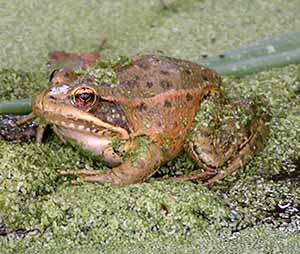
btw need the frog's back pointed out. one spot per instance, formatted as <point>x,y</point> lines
<point>160,97</point>
<point>150,76</point>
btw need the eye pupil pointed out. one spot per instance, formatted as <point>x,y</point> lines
<point>85,96</point>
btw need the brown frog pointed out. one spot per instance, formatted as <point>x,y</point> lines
<point>146,113</point>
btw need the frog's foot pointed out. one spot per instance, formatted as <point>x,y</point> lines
<point>229,146</point>
<point>144,159</point>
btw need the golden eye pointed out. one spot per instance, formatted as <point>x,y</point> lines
<point>84,96</point>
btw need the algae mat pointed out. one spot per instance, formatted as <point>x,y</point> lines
<point>255,210</point>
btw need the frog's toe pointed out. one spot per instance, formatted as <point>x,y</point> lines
<point>105,178</point>
<point>40,133</point>
<point>89,175</point>
<point>24,120</point>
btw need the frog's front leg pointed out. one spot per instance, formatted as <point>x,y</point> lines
<point>142,158</point>
<point>225,136</point>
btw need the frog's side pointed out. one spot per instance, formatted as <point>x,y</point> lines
<point>151,115</point>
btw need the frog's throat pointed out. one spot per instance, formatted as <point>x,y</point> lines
<point>69,117</point>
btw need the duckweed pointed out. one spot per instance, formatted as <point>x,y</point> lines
<point>104,72</point>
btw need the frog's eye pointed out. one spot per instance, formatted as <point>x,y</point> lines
<point>84,96</point>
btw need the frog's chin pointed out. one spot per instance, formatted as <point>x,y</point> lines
<point>100,145</point>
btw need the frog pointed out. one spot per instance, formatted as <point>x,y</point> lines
<point>155,107</point>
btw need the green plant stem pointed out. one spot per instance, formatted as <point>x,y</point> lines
<point>19,107</point>
<point>261,55</point>
<point>265,47</point>
<point>256,64</point>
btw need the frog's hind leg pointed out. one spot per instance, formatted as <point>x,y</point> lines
<point>228,140</point>
<point>253,145</point>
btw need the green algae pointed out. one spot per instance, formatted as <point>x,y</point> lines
<point>20,84</point>
<point>103,71</point>
<point>186,30</point>
<point>16,84</point>
<point>258,240</point>
<point>139,151</point>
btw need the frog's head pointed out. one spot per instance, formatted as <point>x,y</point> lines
<point>72,101</point>
<point>73,104</point>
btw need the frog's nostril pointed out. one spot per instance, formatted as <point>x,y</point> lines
<point>52,98</point>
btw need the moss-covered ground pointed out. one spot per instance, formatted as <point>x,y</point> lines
<point>255,210</point>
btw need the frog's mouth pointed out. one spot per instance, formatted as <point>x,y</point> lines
<point>88,141</point>
<point>69,117</point>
